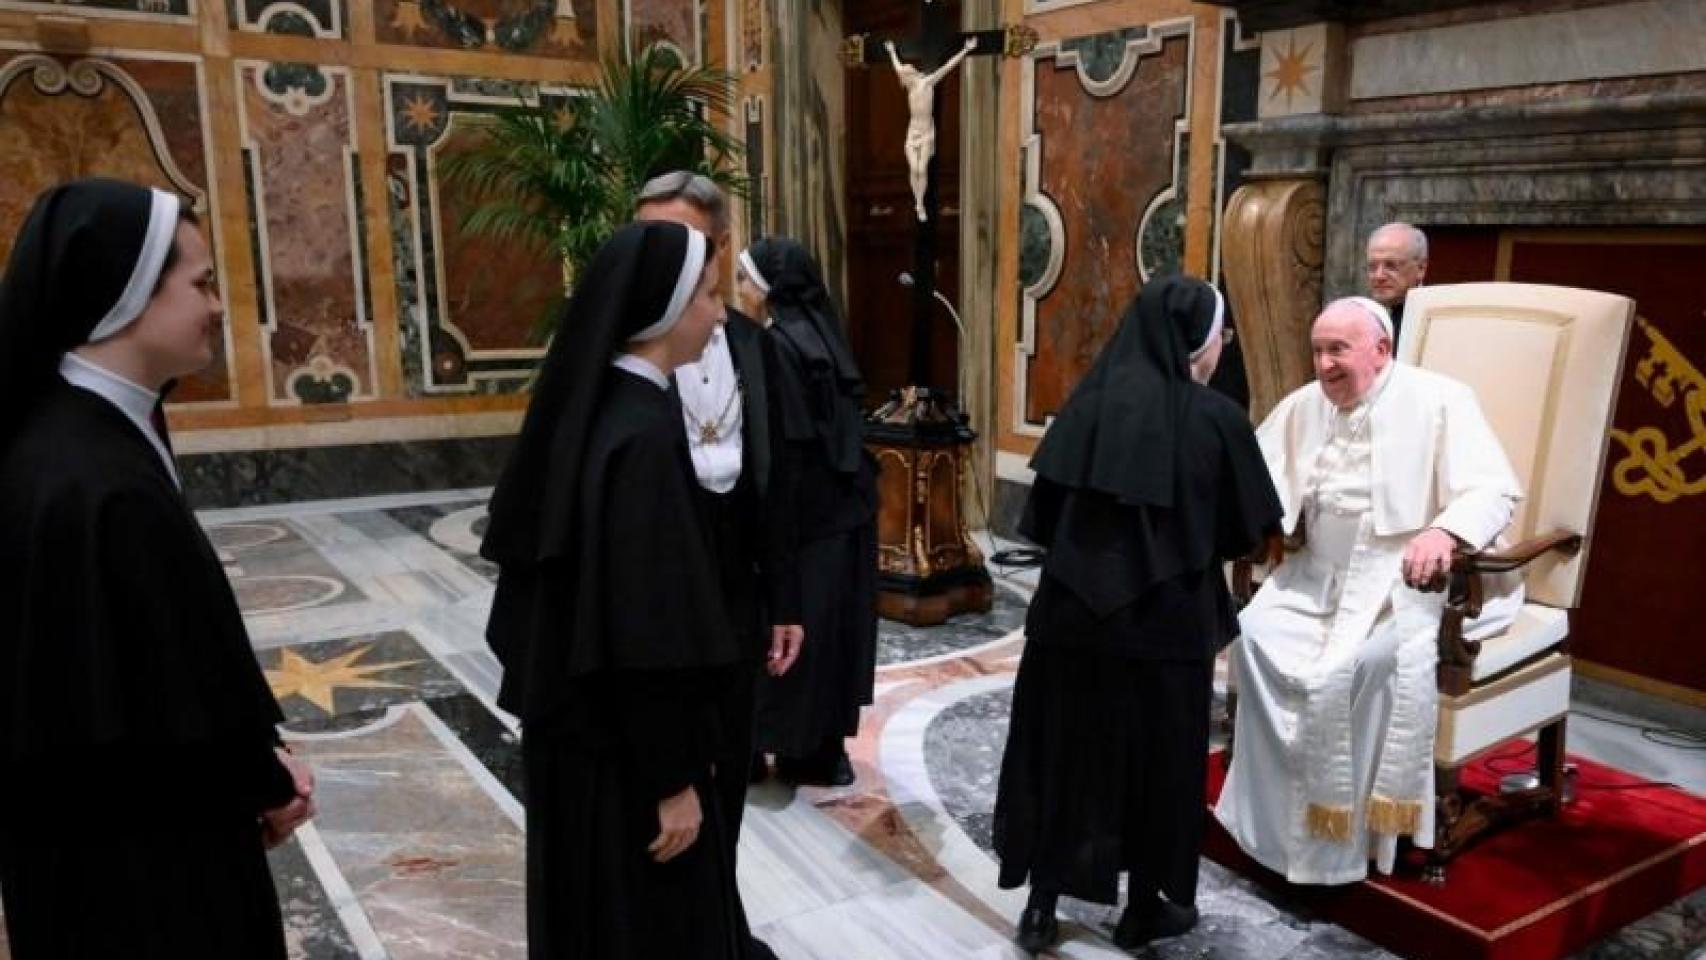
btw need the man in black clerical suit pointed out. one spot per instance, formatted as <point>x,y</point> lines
<point>725,413</point>
<point>1397,263</point>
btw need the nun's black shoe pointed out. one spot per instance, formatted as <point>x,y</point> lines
<point>1038,930</point>
<point>759,771</point>
<point>757,949</point>
<point>1156,920</point>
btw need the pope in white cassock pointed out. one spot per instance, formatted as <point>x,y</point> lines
<point>1383,470</point>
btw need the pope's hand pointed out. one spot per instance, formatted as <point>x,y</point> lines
<point>1428,557</point>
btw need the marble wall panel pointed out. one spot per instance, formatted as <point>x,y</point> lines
<point>1656,37</point>
<point>1104,183</point>
<point>678,24</point>
<point>131,118</point>
<point>299,147</point>
<point>753,35</point>
<point>473,309</point>
<point>131,9</point>
<point>325,19</point>
<point>566,29</point>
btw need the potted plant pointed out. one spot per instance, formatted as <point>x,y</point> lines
<point>561,174</point>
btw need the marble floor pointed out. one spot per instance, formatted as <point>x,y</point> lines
<point>368,617</point>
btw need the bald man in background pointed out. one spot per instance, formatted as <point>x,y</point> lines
<point>1397,262</point>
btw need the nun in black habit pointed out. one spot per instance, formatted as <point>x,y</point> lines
<point>143,775</point>
<point>825,484</point>
<point>610,625</point>
<point>1145,483</point>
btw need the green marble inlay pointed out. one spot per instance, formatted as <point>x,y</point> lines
<point>281,78</point>
<point>1101,54</point>
<point>1035,245</point>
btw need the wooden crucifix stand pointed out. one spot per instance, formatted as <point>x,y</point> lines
<point>928,568</point>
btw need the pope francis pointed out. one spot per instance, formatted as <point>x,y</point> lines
<point>1383,470</point>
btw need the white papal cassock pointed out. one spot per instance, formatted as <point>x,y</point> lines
<point>1337,698</point>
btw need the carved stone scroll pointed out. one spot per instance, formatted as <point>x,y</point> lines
<point>1272,254</point>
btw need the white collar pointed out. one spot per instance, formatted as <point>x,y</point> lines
<point>132,399</point>
<point>641,367</point>
<point>126,394</point>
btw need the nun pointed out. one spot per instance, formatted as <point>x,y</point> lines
<point>1145,483</point>
<point>824,483</point>
<point>609,621</point>
<point>144,774</point>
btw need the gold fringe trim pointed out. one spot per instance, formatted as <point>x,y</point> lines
<point>1393,817</point>
<point>1329,823</point>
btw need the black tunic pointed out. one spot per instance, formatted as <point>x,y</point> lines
<point>136,727</point>
<point>830,514</point>
<point>1105,761</point>
<point>640,716</point>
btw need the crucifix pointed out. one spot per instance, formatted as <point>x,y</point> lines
<point>928,569</point>
<point>920,63</point>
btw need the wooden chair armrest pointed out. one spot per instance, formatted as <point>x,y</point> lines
<point>1520,555</point>
<point>1465,594</point>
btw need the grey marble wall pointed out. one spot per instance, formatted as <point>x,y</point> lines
<point>253,477</point>
<point>1630,161</point>
<point>1648,38</point>
<point>1008,506</point>
<point>1635,160</point>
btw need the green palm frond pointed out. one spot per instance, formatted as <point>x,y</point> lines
<point>562,177</point>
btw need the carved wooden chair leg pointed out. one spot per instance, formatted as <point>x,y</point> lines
<point>1448,808</point>
<point>1551,763</point>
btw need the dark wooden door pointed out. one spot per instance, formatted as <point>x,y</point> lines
<point>880,219</point>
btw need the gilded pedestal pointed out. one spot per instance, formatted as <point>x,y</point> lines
<point>928,569</point>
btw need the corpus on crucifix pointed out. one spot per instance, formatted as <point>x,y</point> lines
<point>921,104</point>
<point>920,436</point>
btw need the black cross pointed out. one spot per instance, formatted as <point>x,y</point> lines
<point>936,41</point>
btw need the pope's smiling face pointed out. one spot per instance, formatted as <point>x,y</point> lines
<point>1350,350</point>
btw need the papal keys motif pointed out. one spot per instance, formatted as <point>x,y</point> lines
<point>1652,467</point>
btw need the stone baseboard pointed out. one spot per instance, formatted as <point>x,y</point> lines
<point>247,478</point>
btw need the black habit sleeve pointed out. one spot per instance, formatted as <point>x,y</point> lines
<point>128,671</point>
<point>782,505</point>
<point>662,618</point>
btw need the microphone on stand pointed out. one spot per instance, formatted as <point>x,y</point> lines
<point>908,282</point>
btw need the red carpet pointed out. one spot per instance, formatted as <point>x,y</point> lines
<point>1531,892</point>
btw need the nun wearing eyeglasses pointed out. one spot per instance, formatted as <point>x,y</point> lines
<point>609,621</point>
<point>1145,483</point>
<point>143,773</point>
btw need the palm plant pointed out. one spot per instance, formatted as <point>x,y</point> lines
<point>562,176</point>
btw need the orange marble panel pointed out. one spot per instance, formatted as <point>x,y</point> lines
<point>675,22</point>
<point>565,29</point>
<point>62,119</point>
<point>1103,159</point>
<point>298,132</point>
<point>496,294</point>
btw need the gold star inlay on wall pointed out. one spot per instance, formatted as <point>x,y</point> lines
<point>317,681</point>
<point>420,113</point>
<point>1291,71</point>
